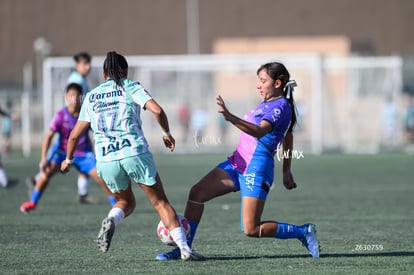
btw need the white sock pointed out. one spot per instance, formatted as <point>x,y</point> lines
<point>3,178</point>
<point>179,238</point>
<point>117,214</point>
<point>83,186</point>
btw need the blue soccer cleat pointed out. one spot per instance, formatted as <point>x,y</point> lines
<point>310,241</point>
<point>174,254</point>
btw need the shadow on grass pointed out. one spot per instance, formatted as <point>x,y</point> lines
<point>11,183</point>
<point>331,255</point>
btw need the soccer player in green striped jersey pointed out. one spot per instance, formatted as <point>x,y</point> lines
<point>112,110</point>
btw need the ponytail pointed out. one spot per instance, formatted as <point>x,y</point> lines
<point>115,67</point>
<point>288,94</point>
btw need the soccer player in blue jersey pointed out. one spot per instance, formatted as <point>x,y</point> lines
<point>250,168</point>
<point>62,124</point>
<point>112,110</point>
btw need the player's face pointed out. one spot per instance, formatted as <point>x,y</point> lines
<point>83,67</point>
<point>74,99</point>
<point>266,85</point>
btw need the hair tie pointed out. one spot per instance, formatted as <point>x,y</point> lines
<point>289,88</point>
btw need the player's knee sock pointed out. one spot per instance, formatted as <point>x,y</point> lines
<point>179,238</point>
<point>117,214</point>
<point>3,178</point>
<point>83,186</point>
<point>112,200</point>
<point>36,195</point>
<point>193,229</point>
<point>288,231</point>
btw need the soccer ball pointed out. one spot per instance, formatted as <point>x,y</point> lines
<point>164,234</point>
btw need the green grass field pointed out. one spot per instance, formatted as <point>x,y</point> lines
<point>362,206</point>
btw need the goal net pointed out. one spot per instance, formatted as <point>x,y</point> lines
<point>345,104</point>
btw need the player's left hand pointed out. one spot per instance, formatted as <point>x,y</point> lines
<point>169,142</point>
<point>288,180</point>
<point>222,109</point>
<point>64,166</point>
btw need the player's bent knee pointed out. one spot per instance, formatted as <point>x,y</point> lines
<point>196,195</point>
<point>160,204</point>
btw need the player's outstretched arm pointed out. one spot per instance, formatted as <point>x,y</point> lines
<point>162,120</point>
<point>75,134</point>
<point>252,129</point>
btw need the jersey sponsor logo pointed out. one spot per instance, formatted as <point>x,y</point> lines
<point>101,105</point>
<point>115,147</point>
<point>103,95</point>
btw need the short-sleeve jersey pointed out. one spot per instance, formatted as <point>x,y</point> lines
<point>114,114</point>
<point>63,123</point>
<point>258,154</point>
<point>77,78</point>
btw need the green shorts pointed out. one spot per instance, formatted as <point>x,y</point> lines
<point>117,174</point>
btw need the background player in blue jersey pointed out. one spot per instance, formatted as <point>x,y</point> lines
<point>62,124</point>
<point>112,110</point>
<point>250,168</point>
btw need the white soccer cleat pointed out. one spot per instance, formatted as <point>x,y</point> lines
<point>191,256</point>
<point>103,240</point>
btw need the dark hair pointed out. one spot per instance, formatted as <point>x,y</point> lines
<point>278,71</point>
<point>74,86</point>
<point>115,67</point>
<point>82,55</point>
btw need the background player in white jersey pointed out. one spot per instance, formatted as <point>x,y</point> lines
<point>82,70</point>
<point>62,123</point>
<point>113,111</point>
<point>250,168</point>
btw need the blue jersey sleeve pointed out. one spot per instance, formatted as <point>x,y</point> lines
<point>272,114</point>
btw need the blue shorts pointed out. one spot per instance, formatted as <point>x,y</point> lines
<point>255,184</point>
<point>85,164</point>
